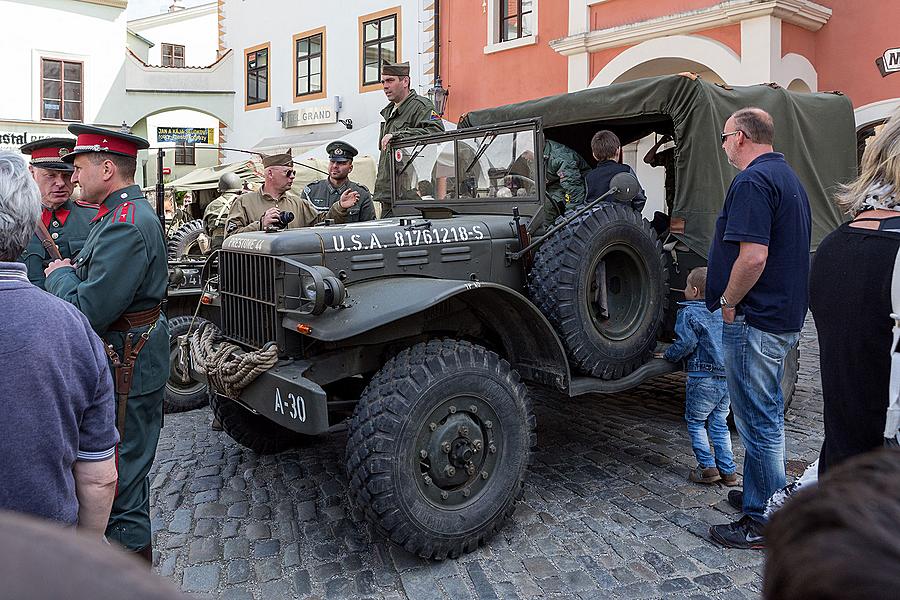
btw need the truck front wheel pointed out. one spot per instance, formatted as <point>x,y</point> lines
<point>439,446</point>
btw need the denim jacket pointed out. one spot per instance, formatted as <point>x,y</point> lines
<point>699,340</point>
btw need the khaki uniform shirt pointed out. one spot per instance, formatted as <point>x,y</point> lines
<point>249,208</point>
<point>414,116</point>
<point>216,215</point>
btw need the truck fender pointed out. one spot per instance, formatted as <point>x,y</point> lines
<point>530,343</point>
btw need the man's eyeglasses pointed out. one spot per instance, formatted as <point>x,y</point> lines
<point>290,172</point>
<point>725,135</point>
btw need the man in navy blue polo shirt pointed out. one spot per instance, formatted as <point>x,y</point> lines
<point>758,275</point>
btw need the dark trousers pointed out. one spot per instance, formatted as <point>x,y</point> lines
<point>129,522</point>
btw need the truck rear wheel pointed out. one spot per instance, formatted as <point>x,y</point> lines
<point>439,446</point>
<point>603,284</point>
<point>254,432</point>
<point>182,391</point>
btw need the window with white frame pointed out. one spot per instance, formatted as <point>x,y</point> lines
<point>62,83</point>
<point>516,19</point>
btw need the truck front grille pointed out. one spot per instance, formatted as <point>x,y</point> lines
<point>247,284</point>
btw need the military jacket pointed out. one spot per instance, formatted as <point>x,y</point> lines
<point>69,226</point>
<point>216,215</point>
<point>122,269</point>
<point>565,170</point>
<point>249,208</point>
<point>414,116</point>
<point>323,195</point>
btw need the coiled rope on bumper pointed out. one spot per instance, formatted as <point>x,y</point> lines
<point>228,371</point>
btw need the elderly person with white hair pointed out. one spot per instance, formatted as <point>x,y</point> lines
<point>57,411</point>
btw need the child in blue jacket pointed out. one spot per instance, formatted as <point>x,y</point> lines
<point>699,344</point>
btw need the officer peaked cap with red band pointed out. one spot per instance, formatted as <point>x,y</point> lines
<point>47,153</point>
<point>99,139</point>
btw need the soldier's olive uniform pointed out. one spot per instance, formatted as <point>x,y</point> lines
<point>122,269</point>
<point>249,208</point>
<point>414,116</point>
<point>216,215</point>
<point>68,225</point>
<point>564,171</point>
<point>324,195</point>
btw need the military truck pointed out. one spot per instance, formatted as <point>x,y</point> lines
<point>430,328</point>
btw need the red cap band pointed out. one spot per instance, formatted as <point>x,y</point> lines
<point>51,152</point>
<point>105,143</point>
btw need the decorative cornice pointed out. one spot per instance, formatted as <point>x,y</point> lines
<point>173,17</point>
<point>113,3</point>
<point>803,13</point>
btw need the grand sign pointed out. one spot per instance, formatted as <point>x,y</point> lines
<point>312,115</point>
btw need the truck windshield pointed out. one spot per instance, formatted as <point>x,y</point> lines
<point>486,165</point>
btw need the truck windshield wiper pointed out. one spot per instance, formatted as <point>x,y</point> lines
<point>482,148</point>
<point>417,150</point>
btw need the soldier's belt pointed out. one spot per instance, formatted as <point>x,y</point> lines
<point>142,318</point>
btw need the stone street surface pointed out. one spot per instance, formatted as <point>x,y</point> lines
<point>607,513</point>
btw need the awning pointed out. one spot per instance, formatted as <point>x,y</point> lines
<point>206,178</point>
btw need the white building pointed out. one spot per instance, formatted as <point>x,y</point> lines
<point>60,68</point>
<point>303,75</point>
<point>182,38</point>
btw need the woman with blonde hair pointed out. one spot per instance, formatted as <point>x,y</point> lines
<point>850,299</point>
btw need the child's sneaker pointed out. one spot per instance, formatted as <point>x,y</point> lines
<point>704,475</point>
<point>729,479</point>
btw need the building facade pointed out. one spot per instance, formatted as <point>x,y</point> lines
<point>306,76</point>
<point>60,78</point>
<point>180,39</point>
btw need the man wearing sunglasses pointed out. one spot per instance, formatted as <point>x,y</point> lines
<point>261,210</point>
<point>758,275</point>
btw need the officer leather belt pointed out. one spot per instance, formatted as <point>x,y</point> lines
<point>142,318</point>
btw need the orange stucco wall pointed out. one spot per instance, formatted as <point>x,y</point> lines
<point>858,32</point>
<point>478,80</point>
<point>621,12</point>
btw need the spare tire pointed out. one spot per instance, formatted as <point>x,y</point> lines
<point>603,284</point>
<point>184,241</point>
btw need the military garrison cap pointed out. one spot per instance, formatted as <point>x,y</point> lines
<point>395,69</point>
<point>341,151</point>
<point>278,160</point>
<point>100,139</point>
<point>48,152</point>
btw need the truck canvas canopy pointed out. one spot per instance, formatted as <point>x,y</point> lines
<point>815,132</point>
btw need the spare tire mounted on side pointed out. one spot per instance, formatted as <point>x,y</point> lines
<point>603,284</point>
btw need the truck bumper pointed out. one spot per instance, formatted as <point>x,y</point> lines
<point>284,396</point>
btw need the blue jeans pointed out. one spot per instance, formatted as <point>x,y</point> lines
<point>754,366</point>
<point>706,406</point>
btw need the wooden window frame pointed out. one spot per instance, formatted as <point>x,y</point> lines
<point>267,47</point>
<point>398,39</point>
<point>185,150</point>
<point>315,95</point>
<point>517,17</point>
<point>62,91</point>
<point>162,54</point>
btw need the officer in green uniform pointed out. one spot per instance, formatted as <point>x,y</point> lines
<point>67,221</point>
<point>119,281</point>
<point>261,210</point>
<point>216,214</point>
<point>325,192</point>
<point>408,114</point>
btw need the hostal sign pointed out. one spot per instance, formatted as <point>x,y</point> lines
<point>313,115</point>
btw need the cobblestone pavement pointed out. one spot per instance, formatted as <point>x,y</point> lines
<point>607,511</point>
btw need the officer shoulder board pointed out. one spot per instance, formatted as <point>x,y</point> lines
<point>124,213</point>
<point>83,204</point>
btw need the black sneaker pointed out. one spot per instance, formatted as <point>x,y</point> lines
<point>736,499</point>
<point>746,534</point>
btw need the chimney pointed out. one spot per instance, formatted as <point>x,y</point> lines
<point>176,6</point>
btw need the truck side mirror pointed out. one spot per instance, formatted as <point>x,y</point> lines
<point>626,186</point>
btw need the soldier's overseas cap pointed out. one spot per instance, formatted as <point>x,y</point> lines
<point>395,69</point>
<point>278,160</point>
<point>341,151</point>
<point>100,139</point>
<point>48,152</point>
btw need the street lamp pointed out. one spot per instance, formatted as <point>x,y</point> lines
<point>438,96</point>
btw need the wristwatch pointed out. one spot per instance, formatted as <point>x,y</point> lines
<point>724,303</point>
